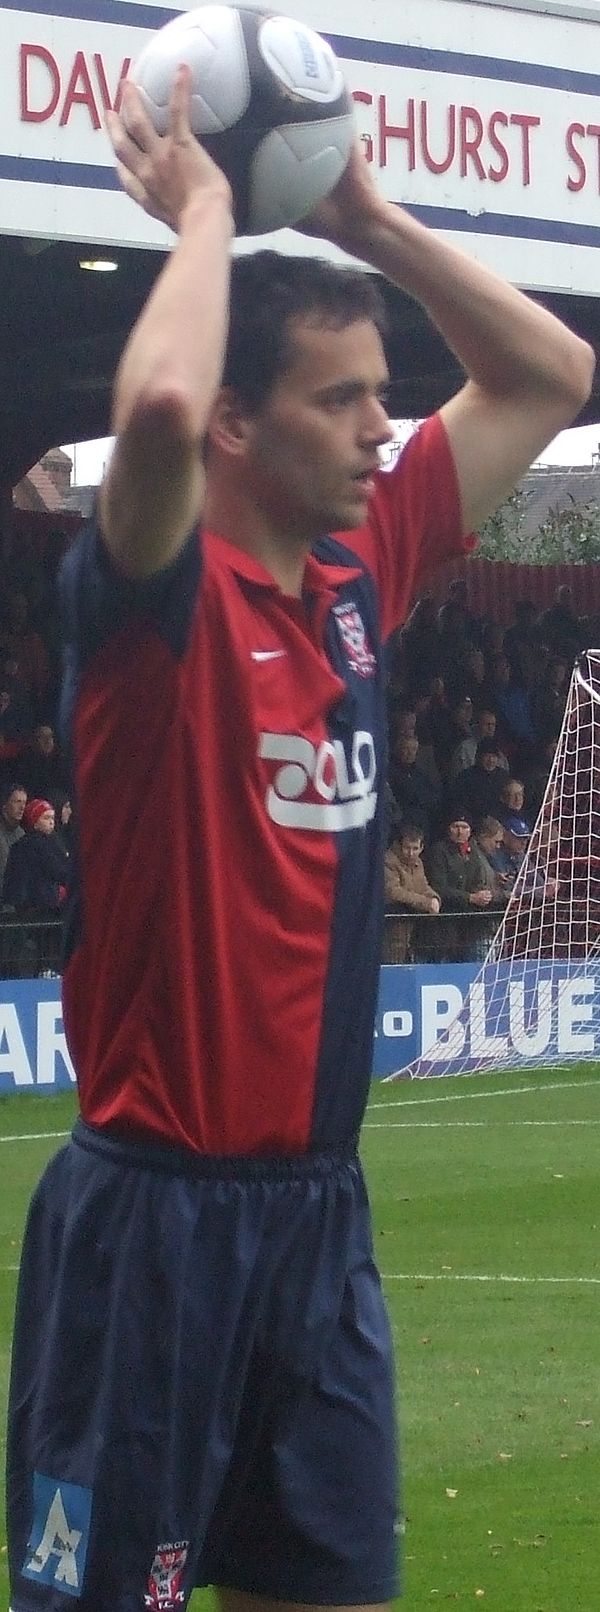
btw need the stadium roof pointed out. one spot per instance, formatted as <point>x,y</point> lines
<point>64,329</point>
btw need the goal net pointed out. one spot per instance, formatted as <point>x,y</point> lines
<point>536,998</point>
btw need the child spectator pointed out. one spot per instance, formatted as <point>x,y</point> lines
<point>37,867</point>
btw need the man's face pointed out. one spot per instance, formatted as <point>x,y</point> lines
<point>488,761</point>
<point>408,750</point>
<point>44,740</point>
<point>313,449</point>
<point>14,807</point>
<point>490,842</point>
<point>463,715</point>
<point>513,796</point>
<point>410,851</point>
<point>459,832</point>
<point>486,725</point>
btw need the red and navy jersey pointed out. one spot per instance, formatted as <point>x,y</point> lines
<point>229,754</point>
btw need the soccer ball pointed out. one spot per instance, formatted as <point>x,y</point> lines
<point>268,102</point>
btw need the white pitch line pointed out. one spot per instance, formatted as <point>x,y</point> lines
<point>472,1096</point>
<point>528,1281</point>
<point>471,1124</point>
<point>35,1136</point>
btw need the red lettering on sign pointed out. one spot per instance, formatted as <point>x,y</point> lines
<point>526,124</point>
<point>441,165</point>
<point>498,174</point>
<point>576,157</point>
<point>395,131</point>
<point>28,113</point>
<point>470,143</point>
<point>81,86</point>
<point>80,92</point>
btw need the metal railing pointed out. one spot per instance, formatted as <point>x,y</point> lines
<point>30,945</point>
<point>443,937</point>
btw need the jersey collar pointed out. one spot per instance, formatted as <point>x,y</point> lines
<point>319,577</point>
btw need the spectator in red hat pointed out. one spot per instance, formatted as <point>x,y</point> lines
<point>38,866</point>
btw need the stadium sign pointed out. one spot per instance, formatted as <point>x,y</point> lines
<point>461,1017</point>
<point>33,1049</point>
<point>448,1020</point>
<point>481,116</point>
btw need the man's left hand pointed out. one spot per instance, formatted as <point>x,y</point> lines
<point>348,215</point>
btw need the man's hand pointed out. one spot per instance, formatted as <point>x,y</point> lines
<point>352,208</point>
<point>480,898</point>
<point>163,173</point>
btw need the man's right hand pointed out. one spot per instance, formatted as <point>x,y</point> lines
<point>480,898</point>
<point>163,173</point>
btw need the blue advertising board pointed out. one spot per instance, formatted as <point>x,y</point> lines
<point>33,1049</point>
<point>460,1017</point>
<point>452,1017</point>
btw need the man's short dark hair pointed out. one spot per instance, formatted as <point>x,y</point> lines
<point>409,831</point>
<point>270,291</point>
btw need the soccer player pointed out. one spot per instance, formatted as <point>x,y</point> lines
<point>202,1373</point>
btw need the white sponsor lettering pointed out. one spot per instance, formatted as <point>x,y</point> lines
<point>346,797</point>
<point>51,1044</point>
<point>13,1053</point>
<point>267,654</point>
<point>492,1021</point>
<point>57,1540</point>
<point>397,1024</point>
<point>440,1005</point>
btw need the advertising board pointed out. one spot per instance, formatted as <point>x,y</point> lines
<point>483,118</point>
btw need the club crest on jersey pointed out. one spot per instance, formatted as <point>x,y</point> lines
<point>353,634</point>
<point>164,1583</point>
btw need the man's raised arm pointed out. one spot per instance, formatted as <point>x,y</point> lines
<point>171,367</point>
<point>528,374</point>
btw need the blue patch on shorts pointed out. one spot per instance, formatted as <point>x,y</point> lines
<point>58,1542</point>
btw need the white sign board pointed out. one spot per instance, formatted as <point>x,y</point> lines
<point>484,118</point>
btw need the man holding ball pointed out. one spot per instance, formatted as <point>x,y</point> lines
<point>202,1379</point>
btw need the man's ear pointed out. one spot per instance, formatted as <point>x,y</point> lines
<point>229,424</point>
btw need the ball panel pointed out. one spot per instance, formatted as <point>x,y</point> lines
<point>211,42</point>
<point>302,61</point>
<point>293,169</point>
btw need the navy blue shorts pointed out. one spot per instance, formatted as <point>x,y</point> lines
<point>202,1384</point>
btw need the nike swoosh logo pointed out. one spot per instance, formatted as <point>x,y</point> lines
<point>267,654</point>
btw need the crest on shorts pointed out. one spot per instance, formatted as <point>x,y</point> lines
<point>164,1583</point>
<point>353,634</point>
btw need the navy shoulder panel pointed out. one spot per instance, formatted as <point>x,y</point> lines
<point>97,601</point>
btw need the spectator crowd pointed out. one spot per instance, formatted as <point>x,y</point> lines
<point>475,712</point>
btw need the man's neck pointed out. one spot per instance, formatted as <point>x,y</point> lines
<point>273,542</point>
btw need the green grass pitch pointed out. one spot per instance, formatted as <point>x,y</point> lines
<point>486,1203</point>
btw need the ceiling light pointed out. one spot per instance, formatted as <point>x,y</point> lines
<point>98,265</point>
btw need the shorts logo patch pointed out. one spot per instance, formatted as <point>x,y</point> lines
<point>58,1542</point>
<point>164,1584</point>
<point>352,631</point>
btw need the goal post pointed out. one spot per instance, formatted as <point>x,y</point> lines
<point>536,997</point>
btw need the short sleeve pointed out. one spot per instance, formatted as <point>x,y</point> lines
<point>414,523</point>
<point>97,601</point>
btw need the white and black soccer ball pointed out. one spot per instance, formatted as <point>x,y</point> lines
<point>269,103</point>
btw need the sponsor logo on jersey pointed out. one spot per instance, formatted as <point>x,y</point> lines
<point>318,786</point>
<point>57,1545</point>
<point>352,631</point>
<point>164,1583</point>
